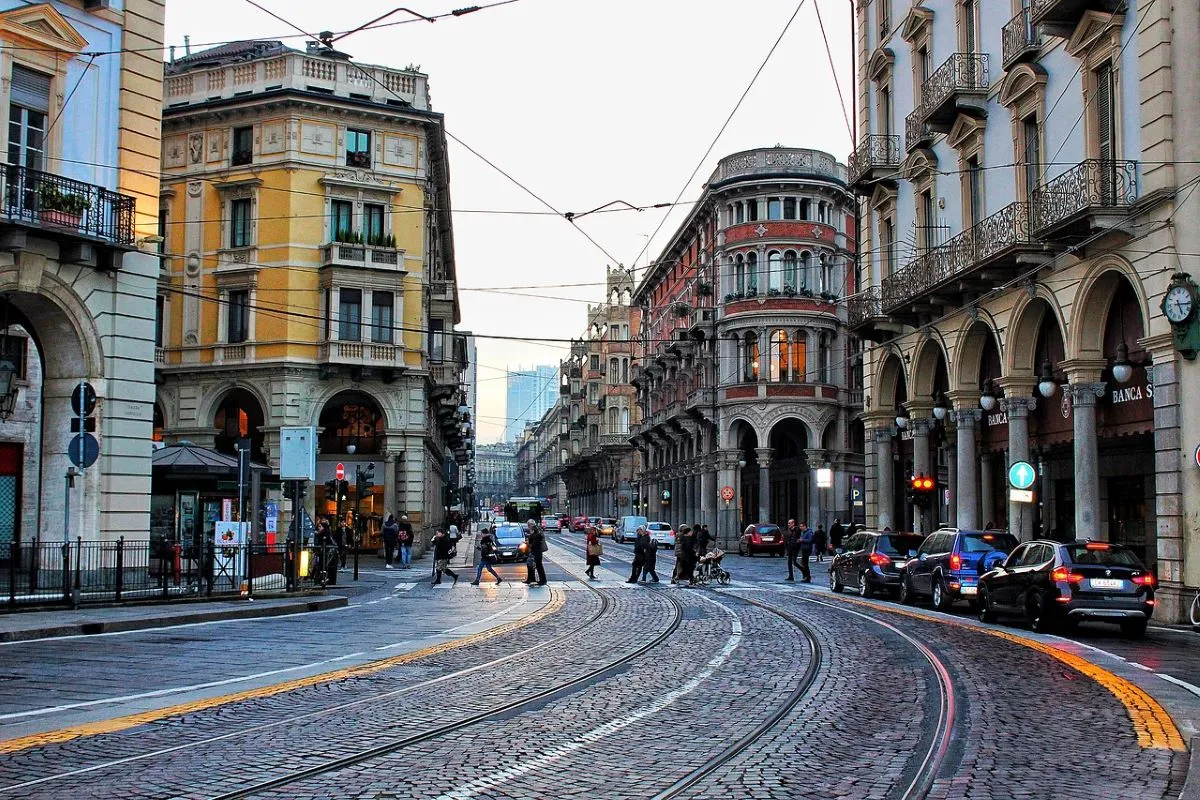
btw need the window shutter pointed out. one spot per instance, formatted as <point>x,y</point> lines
<point>30,89</point>
<point>1105,127</point>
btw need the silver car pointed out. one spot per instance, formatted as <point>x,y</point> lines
<point>663,533</point>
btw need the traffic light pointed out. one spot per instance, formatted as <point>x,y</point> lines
<point>666,497</point>
<point>366,478</point>
<point>344,490</point>
<point>331,488</point>
<point>921,490</point>
<point>287,489</point>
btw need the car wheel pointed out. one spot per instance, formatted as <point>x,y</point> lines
<point>1035,611</point>
<point>1134,629</point>
<point>986,612</point>
<point>743,549</point>
<point>941,596</point>
<point>907,596</point>
<point>835,583</point>
<point>864,586</point>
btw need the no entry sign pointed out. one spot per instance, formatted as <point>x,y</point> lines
<point>340,472</point>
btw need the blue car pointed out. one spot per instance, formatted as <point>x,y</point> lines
<point>949,564</point>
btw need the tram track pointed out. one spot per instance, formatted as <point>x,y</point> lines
<point>605,608</point>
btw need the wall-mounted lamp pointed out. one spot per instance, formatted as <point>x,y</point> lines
<point>741,463</point>
<point>1047,386</point>
<point>351,448</point>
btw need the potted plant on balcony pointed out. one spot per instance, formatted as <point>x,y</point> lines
<point>680,308</point>
<point>773,292</point>
<point>789,290</point>
<point>806,292</point>
<point>704,289</point>
<point>60,208</point>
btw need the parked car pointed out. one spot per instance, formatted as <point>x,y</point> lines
<point>550,524</point>
<point>627,528</point>
<point>607,527</point>
<point>872,561</point>
<point>948,565</point>
<point>564,522</point>
<point>510,542</point>
<point>579,524</point>
<point>663,533</point>
<point>1049,583</point>
<point>763,537</point>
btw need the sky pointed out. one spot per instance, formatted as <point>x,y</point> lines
<point>582,102</point>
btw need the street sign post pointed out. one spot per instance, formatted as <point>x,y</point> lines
<point>1021,475</point>
<point>1020,495</point>
<point>340,471</point>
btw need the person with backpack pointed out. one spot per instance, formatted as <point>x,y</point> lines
<point>487,556</point>
<point>391,533</point>
<point>443,548</point>
<point>536,539</point>
<point>405,539</point>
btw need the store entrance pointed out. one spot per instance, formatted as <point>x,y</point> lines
<point>1127,518</point>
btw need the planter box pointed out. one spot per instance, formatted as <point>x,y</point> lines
<point>61,219</point>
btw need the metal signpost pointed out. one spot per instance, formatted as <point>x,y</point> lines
<point>1021,477</point>
<point>83,449</point>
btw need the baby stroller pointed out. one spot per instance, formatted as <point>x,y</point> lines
<point>709,568</point>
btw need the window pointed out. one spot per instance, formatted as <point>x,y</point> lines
<point>805,270</point>
<point>826,272</point>
<point>382,304</point>
<point>373,224</point>
<point>350,315</point>
<point>358,148</point>
<point>751,210</point>
<point>789,270</point>
<point>774,208</point>
<point>789,208</point>
<point>805,209</point>
<point>328,313</point>
<point>798,354</point>
<point>740,212</point>
<point>888,235</point>
<point>239,229</point>
<point>974,191</point>
<point>885,110</point>
<point>243,146</point>
<point>885,18</point>
<point>160,310</point>
<point>593,392</point>
<point>625,370</point>
<point>239,317</point>
<point>1106,132</point>
<point>969,23</point>
<point>739,272</point>
<point>594,363</point>
<point>928,237</point>
<point>341,220</point>
<point>614,371</point>
<point>29,103</point>
<point>779,356</point>
<point>163,216</point>
<point>1032,141</point>
<point>751,273</point>
<point>751,357</point>
<point>774,271</point>
<point>820,212</point>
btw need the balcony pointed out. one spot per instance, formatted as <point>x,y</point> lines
<point>67,209</point>
<point>1092,196</point>
<point>917,132</point>
<point>615,440</point>
<point>865,316</point>
<point>1022,39</point>
<point>700,402</point>
<point>876,158</point>
<point>362,256</point>
<point>975,261</point>
<point>958,86</point>
<point>1059,17</point>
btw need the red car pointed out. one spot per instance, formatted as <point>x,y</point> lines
<point>763,537</point>
<point>579,524</point>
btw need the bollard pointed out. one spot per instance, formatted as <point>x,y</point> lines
<point>66,571</point>
<point>120,566</point>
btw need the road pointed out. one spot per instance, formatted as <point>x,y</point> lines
<point>598,689</point>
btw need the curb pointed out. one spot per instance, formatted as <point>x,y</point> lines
<point>1191,785</point>
<point>246,611</point>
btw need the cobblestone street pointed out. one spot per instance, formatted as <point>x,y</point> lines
<point>760,689</point>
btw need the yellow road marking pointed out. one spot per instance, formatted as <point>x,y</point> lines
<point>553,606</point>
<point>1153,725</point>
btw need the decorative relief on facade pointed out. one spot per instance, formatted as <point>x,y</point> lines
<point>196,147</point>
<point>216,145</point>
<point>318,139</point>
<point>175,152</point>
<point>359,176</point>
<point>272,137</point>
<point>400,151</point>
<point>195,188</point>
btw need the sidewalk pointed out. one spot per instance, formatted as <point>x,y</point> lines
<point>25,625</point>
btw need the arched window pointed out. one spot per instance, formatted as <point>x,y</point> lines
<point>624,420</point>
<point>826,272</point>
<point>805,268</point>
<point>751,351</point>
<point>739,276</point>
<point>798,358</point>
<point>739,211</point>
<point>805,208</point>
<point>789,270</point>
<point>789,208</point>
<point>779,356</point>
<point>751,274</point>
<point>614,370</point>
<point>774,271</point>
<point>624,370</point>
<point>823,358</point>
<point>774,208</point>
<point>614,420</point>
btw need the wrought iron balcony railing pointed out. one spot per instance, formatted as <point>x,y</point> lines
<point>1007,229</point>
<point>1090,186</point>
<point>44,200</point>
<point>1061,16</point>
<point>916,132</point>
<point>876,151</point>
<point>960,74</point>
<point>1021,39</point>
<point>863,306</point>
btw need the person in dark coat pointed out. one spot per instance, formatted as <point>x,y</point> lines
<point>442,546</point>
<point>687,565</point>
<point>820,542</point>
<point>639,555</point>
<point>703,540</point>
<point>835,536</point>
<point>391,537</point>
<point>487,556</point>
<point>649,555</point>
<point>535,537</point>
<point>405,540</point>
<point>678,556</point>
<point>791,539</point>
<point>806,548</point>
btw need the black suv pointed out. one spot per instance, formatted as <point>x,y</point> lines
<point>871,561</point>
<point>949,563</point>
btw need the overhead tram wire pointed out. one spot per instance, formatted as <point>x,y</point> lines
<point>833,71</point>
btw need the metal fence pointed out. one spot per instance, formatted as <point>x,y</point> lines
<point>105,572</point>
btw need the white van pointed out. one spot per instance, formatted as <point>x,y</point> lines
<point>627,528</point>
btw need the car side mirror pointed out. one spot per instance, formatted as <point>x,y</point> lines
<point>923,556</point>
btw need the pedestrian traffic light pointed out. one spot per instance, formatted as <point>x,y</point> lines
<point>287,489</point>
<point>921,490</point>
<point>344,490</point>
<point>331,487</point>
<point>366,478</point>
<point>666,497</point>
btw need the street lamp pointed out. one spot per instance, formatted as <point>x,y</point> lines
<point>987,399</point>
<point>8,387</point>
<point>939,406</point>
<point>1122,370</point>
<point>1047,386</point>
<point>901,421</point>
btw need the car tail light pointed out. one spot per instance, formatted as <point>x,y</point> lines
<point>1144,580</point>
<point>955,561</point>
<point>880,560</point>
<point>1064,575</point>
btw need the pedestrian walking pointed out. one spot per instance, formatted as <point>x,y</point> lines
<point>820,542</point>
<point>688,566</point>
<point>594,550</point>
<point>339,540</point>
<point>806,549</point>
<point>487,556</point>
<point>703,540</point>
<point>835,536</point>
<point>851,529</point>
<point>791,540</point>
<point>639,555</point>
<point>391,536</point>
<point>678,555</point>
<point>405,541</point>
<point>443,547</point>
<point>535,538</point>
<point>649,556</point>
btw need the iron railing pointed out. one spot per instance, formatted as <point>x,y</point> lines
<point>916,131</point>
<point>78,572</point>
<point>863,306</point>
<point>875,151</point>
<point>63,204</point>
<point>1069,11</point>
<point>1020,38</point>
<point>1094,183</point>
<point>1007,228</point>
<point>961,72</point>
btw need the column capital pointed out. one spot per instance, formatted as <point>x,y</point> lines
<point>1085,394</point>
<point>817,457</point>
<point>964,398</point>
<point>885,434</point>
<point>921,426</point>
<point>1017,406</point>
<point>966,417</point>
<point>727,459</point>
<point>764,456</point>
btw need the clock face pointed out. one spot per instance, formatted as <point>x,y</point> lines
<point>1179,303</point>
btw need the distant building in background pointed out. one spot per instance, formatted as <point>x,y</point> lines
<point>495,472</point>
<point>531,393</point>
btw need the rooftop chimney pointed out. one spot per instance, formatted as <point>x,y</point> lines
<point>187,45</point>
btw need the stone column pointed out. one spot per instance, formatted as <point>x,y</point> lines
<point>951,471</point>
<point>1087,467</point>
<point>389,483</point>
<point>987,503</point>
<point>817,497</point>
<point>764,354</point>
<point>764,483</point>
<point>966,458</point>
<point>726,475</point>
<point>920,423</point>
<point>885,482</point>
<point>1017,404</point>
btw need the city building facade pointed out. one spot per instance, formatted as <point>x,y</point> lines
<point>540,458</point>
<point>309,275</point>
<point>746,374</point>
<point>530,394</point>
<point>1022,167</point>
<point>495,473</point>
<point>77,270</point>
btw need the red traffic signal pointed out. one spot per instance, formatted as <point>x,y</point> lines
<point>922,483</point>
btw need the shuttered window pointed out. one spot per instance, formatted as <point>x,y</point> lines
<point>29,103</point>
<point>1106,132</point>
<point>30,89</point>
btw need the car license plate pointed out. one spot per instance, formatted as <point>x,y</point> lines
<point>1106,583</point>
<point>768,538</point>
<point>969,590</point>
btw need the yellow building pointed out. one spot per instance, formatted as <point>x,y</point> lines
<point>310,270</point>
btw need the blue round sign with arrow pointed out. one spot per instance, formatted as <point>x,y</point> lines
<point>1021,475</point>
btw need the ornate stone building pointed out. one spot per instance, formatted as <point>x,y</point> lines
<point>746,374</point>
